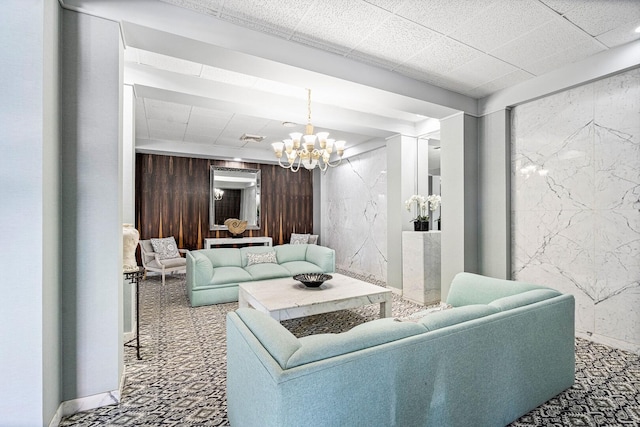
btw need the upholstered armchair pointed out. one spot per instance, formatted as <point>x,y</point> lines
<point>163,256</point>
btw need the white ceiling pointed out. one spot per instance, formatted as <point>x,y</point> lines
<point>207,71</point>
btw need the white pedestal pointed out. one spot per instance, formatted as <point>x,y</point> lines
<point>421,266</point>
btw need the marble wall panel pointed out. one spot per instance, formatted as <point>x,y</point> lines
<point>354,213</point>
<point>576,202</point>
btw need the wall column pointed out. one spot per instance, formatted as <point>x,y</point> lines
<point>403,181</point>
<point>459,184</point>
<point>92,185</point>
<point>494,246</point>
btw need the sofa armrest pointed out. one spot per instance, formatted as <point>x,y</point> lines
<point>199,269</point>
<point>469,288</point>
<point>323,257</point>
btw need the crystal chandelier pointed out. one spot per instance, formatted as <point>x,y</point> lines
<point>301,149</point>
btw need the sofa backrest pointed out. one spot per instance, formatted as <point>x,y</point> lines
<point>291,352</point>
<point>223,257</point>
<point>469,288</point>
<point>288,253</point>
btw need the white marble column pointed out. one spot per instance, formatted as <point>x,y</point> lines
<point>421,266</point>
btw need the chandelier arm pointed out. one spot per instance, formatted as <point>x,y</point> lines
<point>284,166</point>
<point>334,164</point>
<point>294,162</point>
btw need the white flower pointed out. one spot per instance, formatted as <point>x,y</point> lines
<point>434,200</point>
<point>422,206</point>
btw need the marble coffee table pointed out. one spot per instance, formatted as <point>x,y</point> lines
<point>287,298</point>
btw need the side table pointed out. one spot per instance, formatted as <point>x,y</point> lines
<point>135,277</point>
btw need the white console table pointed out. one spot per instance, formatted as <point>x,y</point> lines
<point>421,266</point>
<point>230,241</point>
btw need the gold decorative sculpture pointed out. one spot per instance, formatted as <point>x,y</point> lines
<point>236,227</point>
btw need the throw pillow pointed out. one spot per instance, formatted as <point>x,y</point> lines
<point>261,258</point>
<point>165,248</point>
<point>416,317</point>
<point>313,239</point>
<point>299,239</point>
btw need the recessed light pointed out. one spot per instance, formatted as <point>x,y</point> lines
<point>237,159</point>
<point>289,124</point>
<point>638,30</point>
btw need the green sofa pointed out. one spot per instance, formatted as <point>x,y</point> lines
<point>213,275</point>
<point>505,348</point>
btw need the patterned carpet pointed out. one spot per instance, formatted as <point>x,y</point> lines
<point>180,380</point>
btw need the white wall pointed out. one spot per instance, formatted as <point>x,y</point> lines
<point>354,213</point>
<point>576,226</point>
<point>29,328</point>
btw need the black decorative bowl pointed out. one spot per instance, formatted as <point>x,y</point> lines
<point>312,280</point>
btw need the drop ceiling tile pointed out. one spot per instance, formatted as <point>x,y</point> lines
<point>206,127</point>
<point>200,112</point>
<point>502,22</point>
<point>397,40</point>
<point>441,57</point>
<point>621,35</point>
<point>443,16</point>
<point>390,5</point>
<point>169,111</point>
<point>169,63</point>
<point>502,82</point>
<point>481,70</point>
<point>227,76</point>
<point>561,6</point>
<point>209,7</point>
<point>162,129</point>
<point>201,139</point>
<point>343,23</point>
<point>547,40</point>
<point>576,53</point>
<point>281,17</point>
<point>598,17</point>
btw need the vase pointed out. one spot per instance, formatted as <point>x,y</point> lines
<point>130,239</point>
<point>421,225</point>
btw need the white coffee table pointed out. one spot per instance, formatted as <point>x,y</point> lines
<point>287,298</point>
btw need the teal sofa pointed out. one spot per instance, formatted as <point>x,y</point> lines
<point>213,275</point>
<point>503,349</point>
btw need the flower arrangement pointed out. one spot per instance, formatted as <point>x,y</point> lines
<point>423,205</point>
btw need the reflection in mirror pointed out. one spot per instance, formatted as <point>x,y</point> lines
<point>234,193</point>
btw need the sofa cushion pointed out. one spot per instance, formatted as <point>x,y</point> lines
<point>274,337</point>
<point>469,288</point>
<point>261,258</point>
<point>244,252</point>
<point>525,298</point>
<point>442,319</point>
<point>165,248</point>
<point>370,334</point>
<point>266,271</point>
<point>286,253</point>
<point>224,257</point>
<point>301,267</point>
<point>168,263</point>
<point>299,239</point>
<point>225,275</point>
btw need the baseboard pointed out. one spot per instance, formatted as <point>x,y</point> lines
<point>610,342</point>
<point>70,407</point>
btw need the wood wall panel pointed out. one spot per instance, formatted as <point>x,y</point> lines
<point>172,199</point>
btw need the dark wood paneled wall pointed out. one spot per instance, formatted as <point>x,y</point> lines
<point>172,199</point>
